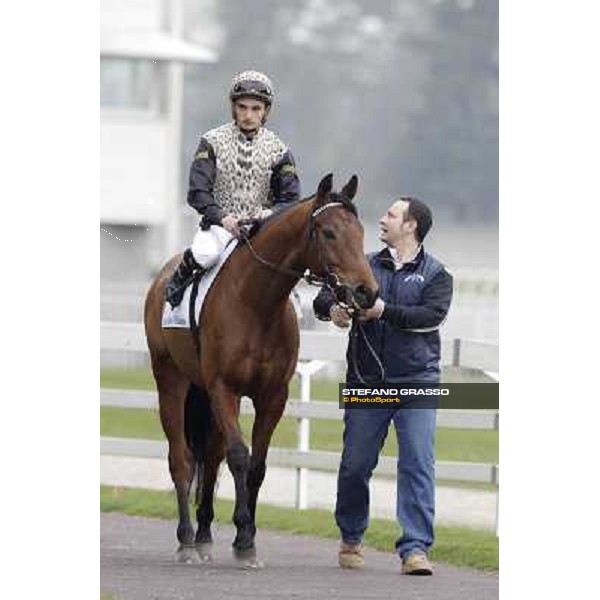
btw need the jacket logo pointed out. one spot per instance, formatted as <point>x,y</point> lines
<point>202,154</point>
<point>415,277</point>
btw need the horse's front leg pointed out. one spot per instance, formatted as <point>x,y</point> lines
<point>226,411</point>
<point>269,409</point>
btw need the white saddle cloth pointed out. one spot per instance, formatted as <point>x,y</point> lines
<point>178,317</point>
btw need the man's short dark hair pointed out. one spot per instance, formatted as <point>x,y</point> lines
<point>421,213</point>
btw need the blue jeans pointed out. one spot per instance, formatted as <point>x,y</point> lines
<point>364,435</point>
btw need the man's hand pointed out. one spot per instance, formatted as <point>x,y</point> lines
<point>339,316</point>
<point>230,223</point>
<point>374,312</point>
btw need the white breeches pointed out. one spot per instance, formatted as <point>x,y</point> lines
<point>208,245</point>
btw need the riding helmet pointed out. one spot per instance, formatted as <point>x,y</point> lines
<point>252,84</point>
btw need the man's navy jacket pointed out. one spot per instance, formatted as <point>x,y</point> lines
<point>406,337</point>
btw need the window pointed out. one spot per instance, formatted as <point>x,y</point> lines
<point>132,84</point>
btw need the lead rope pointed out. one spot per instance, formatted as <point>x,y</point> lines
<point>354,332</point>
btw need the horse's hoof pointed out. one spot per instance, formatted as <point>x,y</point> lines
<point>204,552</point>
<point>187,555</point>
<point>246,559</point>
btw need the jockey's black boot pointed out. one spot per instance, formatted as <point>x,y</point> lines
<point>181,278</point>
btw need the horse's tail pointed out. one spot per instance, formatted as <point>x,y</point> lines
<point>197,425</point>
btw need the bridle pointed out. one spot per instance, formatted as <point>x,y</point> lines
<point>342,291</point>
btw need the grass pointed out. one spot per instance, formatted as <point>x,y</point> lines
<point>454,545</point>
<point>127,379</point>
<point>141,379</point>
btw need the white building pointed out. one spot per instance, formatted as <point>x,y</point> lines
<point>142,54</point>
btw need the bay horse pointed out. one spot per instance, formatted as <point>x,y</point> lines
<point>246,345</point>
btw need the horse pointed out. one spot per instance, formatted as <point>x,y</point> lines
<point>246,345</point>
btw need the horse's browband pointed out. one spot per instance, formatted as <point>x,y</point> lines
<point>319,210</point>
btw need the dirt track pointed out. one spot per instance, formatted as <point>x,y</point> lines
<point>137,563</point>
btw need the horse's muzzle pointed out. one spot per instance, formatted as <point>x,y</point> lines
<point>364,297</point>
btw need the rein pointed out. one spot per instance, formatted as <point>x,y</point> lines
<point>330,278</point>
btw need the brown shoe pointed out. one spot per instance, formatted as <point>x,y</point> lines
<point>351,556</point>
<point>417,563</point>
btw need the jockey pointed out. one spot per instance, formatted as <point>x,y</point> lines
<point>240,170</point>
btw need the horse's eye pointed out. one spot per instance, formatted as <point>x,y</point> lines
<point>329,234</point>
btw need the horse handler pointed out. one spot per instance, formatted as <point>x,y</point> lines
<point>240,170</point>
<point>402,330</point>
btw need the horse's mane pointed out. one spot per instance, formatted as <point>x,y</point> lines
<point>280,212</point>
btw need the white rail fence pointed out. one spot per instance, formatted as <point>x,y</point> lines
<point>316,348</point>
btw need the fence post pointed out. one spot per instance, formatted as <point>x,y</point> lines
<point>303,443</point>
<point>306,370</point>
<point>456,352</point>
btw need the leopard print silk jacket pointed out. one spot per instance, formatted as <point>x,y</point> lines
<point>239,175</point>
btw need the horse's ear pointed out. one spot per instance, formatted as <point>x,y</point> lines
<point>324,189</point>
<point>349,190</point>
